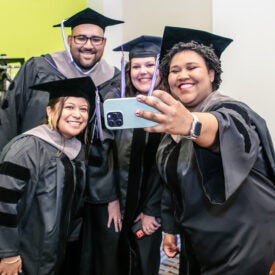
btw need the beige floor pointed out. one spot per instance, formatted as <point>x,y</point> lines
<point>169,266</point>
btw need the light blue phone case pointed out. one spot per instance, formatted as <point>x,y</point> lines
<point>119,113</point>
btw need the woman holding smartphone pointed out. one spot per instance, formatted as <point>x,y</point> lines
<point>217,160</point>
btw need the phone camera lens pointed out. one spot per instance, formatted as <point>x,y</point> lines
<point>115,119</point>
<point>111,123</point>
<point>119,122</point>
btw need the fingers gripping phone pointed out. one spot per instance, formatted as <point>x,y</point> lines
<point>119,113</point>
<point>137,228</point>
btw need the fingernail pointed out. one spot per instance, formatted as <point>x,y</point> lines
<point>139,97</point>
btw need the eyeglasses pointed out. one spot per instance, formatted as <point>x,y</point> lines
<point>82,39</point>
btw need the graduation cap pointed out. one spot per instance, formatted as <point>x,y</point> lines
<point>173,35</point>
<point>89,16</point>
<point>143,46</point>
<point>75,87</point>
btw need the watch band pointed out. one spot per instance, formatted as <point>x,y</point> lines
<point>195,130</point>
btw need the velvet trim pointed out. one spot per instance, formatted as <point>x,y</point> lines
<point>240,127</point>
<point>9,196</point>
<point>14,170</point>
<point>8,220</point>
<point>66,211</point>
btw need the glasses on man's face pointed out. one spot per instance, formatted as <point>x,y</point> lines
<point>82,40</point>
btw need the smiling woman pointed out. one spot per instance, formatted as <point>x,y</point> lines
<point>45,168</point>
<point>69,104</point>
<point>217,161</point>
<point>140,183</point>
<point>69,116</point>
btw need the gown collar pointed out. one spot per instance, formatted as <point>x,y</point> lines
<point>70,147</point>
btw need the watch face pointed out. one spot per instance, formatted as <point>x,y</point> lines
<point>197,129</point>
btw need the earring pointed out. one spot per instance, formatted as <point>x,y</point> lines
<point>50,123</point>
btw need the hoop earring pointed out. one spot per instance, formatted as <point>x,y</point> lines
<point>50,123</point>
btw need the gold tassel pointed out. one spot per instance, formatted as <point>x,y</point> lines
<point>50,123</point>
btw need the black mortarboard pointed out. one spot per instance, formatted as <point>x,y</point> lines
<point>76,87</point>
<point>89,16</point>
<point>143,46</point>
<point>173,35</point>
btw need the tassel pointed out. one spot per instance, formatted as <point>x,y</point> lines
<point>65,41</point>
<point>98,116</point>
<point>122,76</point>
<point>154,76</point>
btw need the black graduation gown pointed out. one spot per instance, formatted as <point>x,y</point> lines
<point>40,204</point>
<point>222,203</point>
<point>140,189</point>
<point>24,108</point>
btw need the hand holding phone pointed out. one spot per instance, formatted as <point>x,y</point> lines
<point>137,228</point>
<point>119,113</point>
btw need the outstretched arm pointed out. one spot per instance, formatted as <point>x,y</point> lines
<point>175,119</point>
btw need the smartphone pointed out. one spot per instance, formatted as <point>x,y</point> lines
<point>137,228</point>
<point>119,113</point>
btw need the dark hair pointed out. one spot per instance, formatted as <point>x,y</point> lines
<point>207,53</point>
<point>130,89</point>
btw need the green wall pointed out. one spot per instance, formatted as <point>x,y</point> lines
<point>26,25</point>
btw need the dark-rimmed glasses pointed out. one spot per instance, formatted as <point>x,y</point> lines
<point>82,39</point>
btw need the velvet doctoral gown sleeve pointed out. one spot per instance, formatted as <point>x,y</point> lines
<point>223,199</point>
<point>239,148</point>
<point>41,194</point>
<point>16,194</point>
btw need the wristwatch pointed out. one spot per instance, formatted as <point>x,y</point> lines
<point>195,130</point>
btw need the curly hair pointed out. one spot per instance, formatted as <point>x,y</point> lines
<point>206,52</point>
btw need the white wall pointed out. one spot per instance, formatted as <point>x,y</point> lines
<point>145,17</point>
<point>249,62</point>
